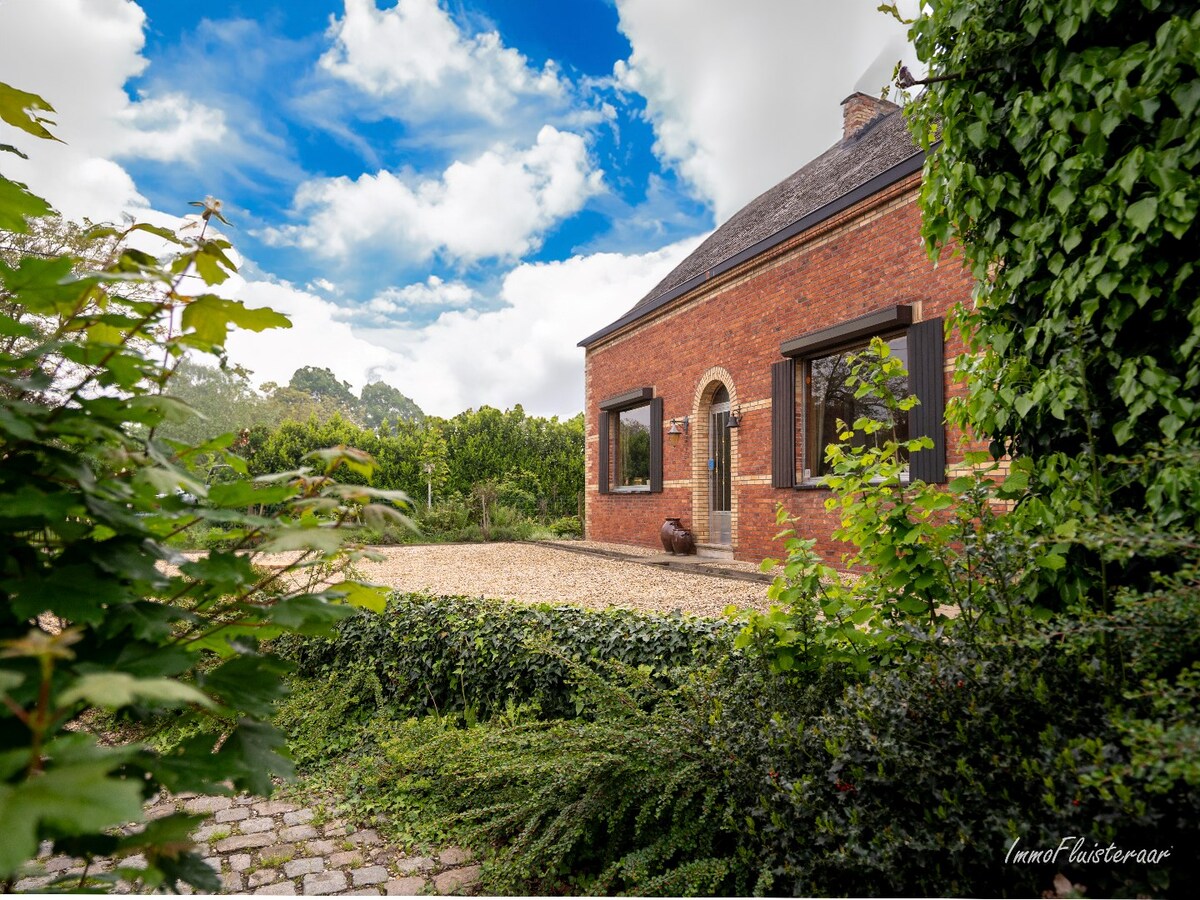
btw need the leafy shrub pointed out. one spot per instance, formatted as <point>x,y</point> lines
<point>509,524</point>
<point>449,517</point>
<point>89,495</point>
<point>567,526</point>
<point>472,654</point>
<point>918,782</point>
<point>638,797</point>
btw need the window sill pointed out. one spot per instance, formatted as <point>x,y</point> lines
<point>640,489</point>
<point>820,486</point>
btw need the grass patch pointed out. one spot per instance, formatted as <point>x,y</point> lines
<point>274,860</point>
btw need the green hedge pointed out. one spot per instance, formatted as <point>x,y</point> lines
<point>477,655</point>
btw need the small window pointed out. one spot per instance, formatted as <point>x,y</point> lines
<point>631,437</point>
<point>633,448</point>
<point>809,395</point>
<point>827,399</point>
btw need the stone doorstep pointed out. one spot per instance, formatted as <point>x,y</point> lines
<point>703,564</point>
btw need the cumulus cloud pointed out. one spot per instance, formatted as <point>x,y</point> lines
<point>495,206</point>
<point>524,352</point>
<point>170,127</point>
<point>393,304</point>
<point>415,54</point>
<point>318,336</point>
<point>733,130</point>
<point>78,55</point>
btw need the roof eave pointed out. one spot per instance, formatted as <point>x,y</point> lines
<point>883,180</point>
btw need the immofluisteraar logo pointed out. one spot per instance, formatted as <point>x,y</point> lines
<point>1081,855</point>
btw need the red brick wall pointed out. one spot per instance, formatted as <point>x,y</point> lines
<point>865,259</point>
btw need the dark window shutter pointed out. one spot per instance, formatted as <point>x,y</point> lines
<point>926,362</point>
<point>656,441</point>
<point>604,449</point>
<point>783,424</point>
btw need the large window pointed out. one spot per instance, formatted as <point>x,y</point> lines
<point>633,448</point>
<point>827,400</point>
<point>809,395</point>
<point>630,432</point>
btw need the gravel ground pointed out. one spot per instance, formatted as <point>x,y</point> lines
<point>545,572</point>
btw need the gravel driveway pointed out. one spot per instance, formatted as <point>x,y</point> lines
<point>547,572</point>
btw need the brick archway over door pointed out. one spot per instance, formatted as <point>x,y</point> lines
<point>709,383</point>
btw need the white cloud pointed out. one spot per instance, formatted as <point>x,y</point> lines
<point>415,55</point>
<point>742,94</point>
<point>393,304</point>
<point>169,128</point>
<point>317,337</point>
<point>78,55</point>
<point>496,205</point>
<point>524,352</point>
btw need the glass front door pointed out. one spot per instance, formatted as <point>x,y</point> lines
<point>720,494</point>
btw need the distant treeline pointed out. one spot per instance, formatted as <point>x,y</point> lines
<point>536,463</point>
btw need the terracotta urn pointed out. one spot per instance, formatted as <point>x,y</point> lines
<point>683,542</point>
<point>667,533</point>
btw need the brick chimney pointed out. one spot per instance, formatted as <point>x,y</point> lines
<point>859,110</point>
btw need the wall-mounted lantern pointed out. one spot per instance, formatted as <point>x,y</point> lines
<point>675,428</point>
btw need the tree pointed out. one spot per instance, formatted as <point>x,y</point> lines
<point>90,619</point>
<point>381,403</point>
<point>1066,170</point>
<point>322,384</point>
<point>433,461</point>
<point>222,397</point>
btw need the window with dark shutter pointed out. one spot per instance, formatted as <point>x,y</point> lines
<point>631,443</point>
<point>604,445</point>
<point>825,358</point>
<point>783,424</point>
<point>656,445</point>
<point>927,382</point>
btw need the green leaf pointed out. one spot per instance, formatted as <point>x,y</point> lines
<point>9,680</point>
<point>72,799</point>
<point>76,592</point>
<point>357,461</point>
<point>222,571</point>
<point>17,205</point>
<point>20,110</point>
<point>248,683</point>
<point>158,231</point>
<point>255,751</point>
<point>246,493</point>
<point>364,596</point>
<point>1051,561</point>
<point>1061,198</point>
<point>210,317</point>
<point>210,268</point>
<point>1142,213</point>
<point>323,540</point>
<point>308,614</point>
<point>113,690</point>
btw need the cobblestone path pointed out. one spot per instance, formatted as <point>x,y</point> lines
<point>273,847</point>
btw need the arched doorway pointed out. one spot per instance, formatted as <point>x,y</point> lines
<point>720,470</point>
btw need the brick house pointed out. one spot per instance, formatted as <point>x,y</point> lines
<point>712,398</point>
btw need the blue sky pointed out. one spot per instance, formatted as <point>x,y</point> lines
<point>443,195</point>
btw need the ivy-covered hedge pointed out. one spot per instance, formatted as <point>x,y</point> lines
<point>478,655</point>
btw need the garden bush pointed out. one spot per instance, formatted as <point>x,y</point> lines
<point>92,626</point>
<point>567,526</point>
<point>439,654</point>
<point>918,782</point>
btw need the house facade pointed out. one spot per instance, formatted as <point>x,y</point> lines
<point>712,399</point>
